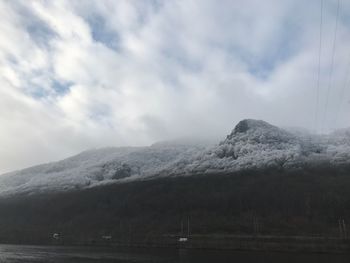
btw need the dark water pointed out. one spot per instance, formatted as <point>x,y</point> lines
<point>31,254</point>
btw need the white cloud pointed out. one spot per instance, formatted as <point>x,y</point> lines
<point>81,74</point>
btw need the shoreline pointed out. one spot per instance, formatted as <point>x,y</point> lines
<point>267,243</point>
<point>252,243</point>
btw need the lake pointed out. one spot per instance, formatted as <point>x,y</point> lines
<point>47,254</point>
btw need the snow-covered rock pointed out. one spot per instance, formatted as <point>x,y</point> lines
<point>256,144</point>
<point>253,144</point>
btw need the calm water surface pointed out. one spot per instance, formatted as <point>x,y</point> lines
<point>33,254</point>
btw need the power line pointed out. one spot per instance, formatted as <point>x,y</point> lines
<point>319,70</point>
<point>332,64</point>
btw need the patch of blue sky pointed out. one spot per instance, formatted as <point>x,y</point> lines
<point>147,9</point>
<point>102,33</point>
<point>40,33</point>
<point>56,88</point>
<point>37,29</point>
<point>61,87</point>
<point>38,93</point>
<point>281,50</point>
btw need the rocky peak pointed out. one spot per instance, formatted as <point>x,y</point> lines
<point>244,125</point>
<point>258,131</point>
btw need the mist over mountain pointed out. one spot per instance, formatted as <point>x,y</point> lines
<point>252,144</point>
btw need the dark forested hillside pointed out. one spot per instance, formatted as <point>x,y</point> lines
<point>303,202</point>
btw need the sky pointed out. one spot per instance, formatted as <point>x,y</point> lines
<point>76,75</point>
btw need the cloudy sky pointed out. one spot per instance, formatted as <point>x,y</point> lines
<point>84,74</point>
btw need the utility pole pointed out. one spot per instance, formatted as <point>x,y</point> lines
<point>188,227</point>
<point>342,228</point>
<point>182,227</point>
<point>255,225</point>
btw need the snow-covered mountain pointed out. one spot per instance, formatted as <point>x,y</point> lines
<point>253,144</point>
<point>95,167</point>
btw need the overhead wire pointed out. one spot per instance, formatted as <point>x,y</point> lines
<point>319,69</point>
<point>332,65</point>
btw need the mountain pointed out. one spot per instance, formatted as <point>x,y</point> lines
<point>253,144</point>
<point>259,180</point>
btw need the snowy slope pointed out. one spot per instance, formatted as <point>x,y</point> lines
<point>252,144</point>
<point>95,167</point>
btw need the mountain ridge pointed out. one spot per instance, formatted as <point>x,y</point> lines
<point>252,144</point>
